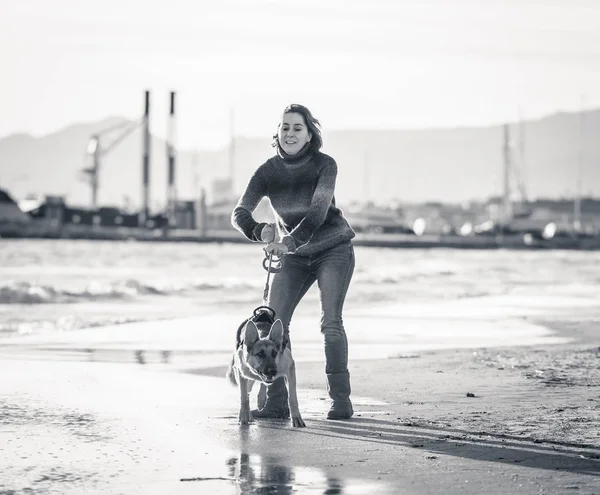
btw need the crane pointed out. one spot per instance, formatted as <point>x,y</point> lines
<point>96,151</point>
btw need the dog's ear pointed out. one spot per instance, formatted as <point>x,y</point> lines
<point>250,335</point>
<point>276,333</point>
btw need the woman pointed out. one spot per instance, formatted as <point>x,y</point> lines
<point>315,238</point>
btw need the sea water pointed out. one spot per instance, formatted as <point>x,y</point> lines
<point>49,286</point>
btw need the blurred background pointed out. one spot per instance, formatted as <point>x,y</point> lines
<point>449,120</point>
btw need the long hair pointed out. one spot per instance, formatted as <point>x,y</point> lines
<point>314,126</point>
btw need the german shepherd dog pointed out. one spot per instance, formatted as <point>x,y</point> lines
<point>262,360</point>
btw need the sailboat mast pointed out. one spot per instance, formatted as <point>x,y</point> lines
<point>507,204</point>
<point>521,162</point>
<point>365,176</point>
<point>579,173</point>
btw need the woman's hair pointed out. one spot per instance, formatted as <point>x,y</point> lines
<point>314,126</point>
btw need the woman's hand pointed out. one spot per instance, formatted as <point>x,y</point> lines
<point>267,234</point>
<point>277,248</point>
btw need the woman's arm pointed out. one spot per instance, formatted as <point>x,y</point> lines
<point>241,217</point>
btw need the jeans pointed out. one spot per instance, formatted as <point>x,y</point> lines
<point>332,270</point>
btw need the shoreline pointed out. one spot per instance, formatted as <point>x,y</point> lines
<point>380,331</point>
<point>514,240</point>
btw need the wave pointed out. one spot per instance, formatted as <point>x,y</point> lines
<point>31,293</point>
<point>62,324</point>
<point>365,288</point>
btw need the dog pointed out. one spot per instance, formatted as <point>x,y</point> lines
<point>263,360</point>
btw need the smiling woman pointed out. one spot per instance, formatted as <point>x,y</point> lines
<point>293,133</point>
<point>298,129</point>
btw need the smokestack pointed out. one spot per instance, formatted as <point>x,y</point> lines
<point>93,149</point>
<point>146,161</point>
<point>171,191</point>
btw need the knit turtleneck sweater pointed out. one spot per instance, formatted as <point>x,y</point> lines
<point>300,157</point>
<point>300,188</point>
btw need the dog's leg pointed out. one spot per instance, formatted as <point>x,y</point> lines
<point>245,387</point>
<point>290,380</point>
<point>261,398</point>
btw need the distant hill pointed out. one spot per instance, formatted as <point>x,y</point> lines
<point>448,165</point>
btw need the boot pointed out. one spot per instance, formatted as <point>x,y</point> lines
<point>338,386</point>
<point>276,403</point>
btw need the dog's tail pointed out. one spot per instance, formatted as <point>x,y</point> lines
<point>230,375</point>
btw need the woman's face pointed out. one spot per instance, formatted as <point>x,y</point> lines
<point>293,133</point>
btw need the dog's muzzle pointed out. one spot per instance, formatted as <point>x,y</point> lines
<point>269,378</point>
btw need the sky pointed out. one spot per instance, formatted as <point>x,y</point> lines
<point>355,63</point>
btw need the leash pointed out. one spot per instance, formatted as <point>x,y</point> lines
<point>270,268</point>
<point>272,264</point>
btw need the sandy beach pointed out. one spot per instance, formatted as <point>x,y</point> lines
<point>100,412</point>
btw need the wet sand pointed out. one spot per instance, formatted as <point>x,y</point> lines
<point>88,413</point>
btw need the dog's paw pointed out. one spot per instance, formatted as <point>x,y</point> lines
<point>298,422</point>
<point>245,418</point>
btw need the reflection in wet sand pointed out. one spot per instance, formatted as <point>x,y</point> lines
<point>271,457</point>
<point>251,473</point>
<point>256,474</point>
